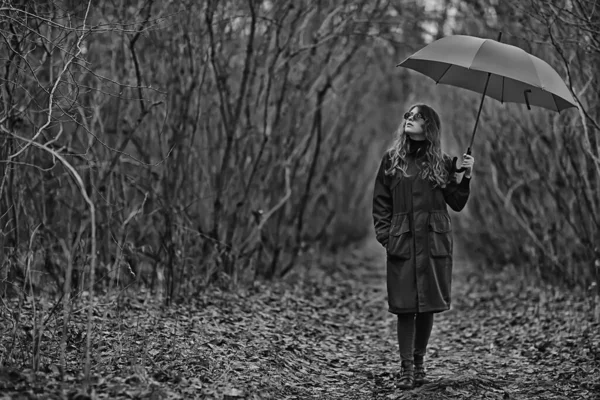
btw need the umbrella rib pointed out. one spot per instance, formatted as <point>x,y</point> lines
<point>440,78</point>
<point>554,100</point>
<point>502,91</point>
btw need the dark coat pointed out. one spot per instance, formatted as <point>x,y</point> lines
<point>412,222</point>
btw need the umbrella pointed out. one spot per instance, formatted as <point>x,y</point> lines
<point>498,70</point>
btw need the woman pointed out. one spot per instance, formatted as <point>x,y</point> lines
<point>414,184</point>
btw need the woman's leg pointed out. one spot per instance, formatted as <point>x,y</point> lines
<point>423,326</point>
<point>406,342</point>
<point>406,336</point>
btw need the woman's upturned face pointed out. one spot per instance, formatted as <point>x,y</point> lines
<point>414,124</point>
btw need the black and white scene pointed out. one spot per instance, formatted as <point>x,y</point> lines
<point>299,199</point>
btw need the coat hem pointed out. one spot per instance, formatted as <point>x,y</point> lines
<point>396,310</point>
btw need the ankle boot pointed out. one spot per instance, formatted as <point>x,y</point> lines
<point>420,376</point>
<point>407,376</point>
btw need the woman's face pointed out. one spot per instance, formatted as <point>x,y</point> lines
<point>414,124</point>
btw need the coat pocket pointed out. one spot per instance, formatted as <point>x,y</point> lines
<point>400,237</point>
<point>440,234</point>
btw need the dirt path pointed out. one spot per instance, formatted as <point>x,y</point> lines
<point>324,333</point>
<point>500,340</point>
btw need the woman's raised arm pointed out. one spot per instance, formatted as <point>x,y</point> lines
<point>456,194</point>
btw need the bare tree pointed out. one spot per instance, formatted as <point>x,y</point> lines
<point>544,169</point>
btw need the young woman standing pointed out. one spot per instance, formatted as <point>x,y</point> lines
<point>413,187</point>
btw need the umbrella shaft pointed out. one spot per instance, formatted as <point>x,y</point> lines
<point>481,104</point>
<point>479,111</point>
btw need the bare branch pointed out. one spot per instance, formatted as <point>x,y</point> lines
<point>54,87</point>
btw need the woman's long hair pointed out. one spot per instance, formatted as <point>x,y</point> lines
<point>434,168</point>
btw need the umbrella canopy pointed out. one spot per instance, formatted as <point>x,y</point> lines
<point>517,76</point>
<point>498,70</point>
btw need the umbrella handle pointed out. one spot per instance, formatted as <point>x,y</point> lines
<point>454,169</point>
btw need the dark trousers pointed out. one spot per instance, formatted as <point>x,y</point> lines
<point>414,330</point>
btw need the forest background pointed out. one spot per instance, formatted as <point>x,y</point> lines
<point>179,144</point>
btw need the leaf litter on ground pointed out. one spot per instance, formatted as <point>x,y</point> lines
<point>323,333</point>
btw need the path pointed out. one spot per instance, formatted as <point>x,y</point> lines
<point>499,341</point>
<point>324,333</point>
